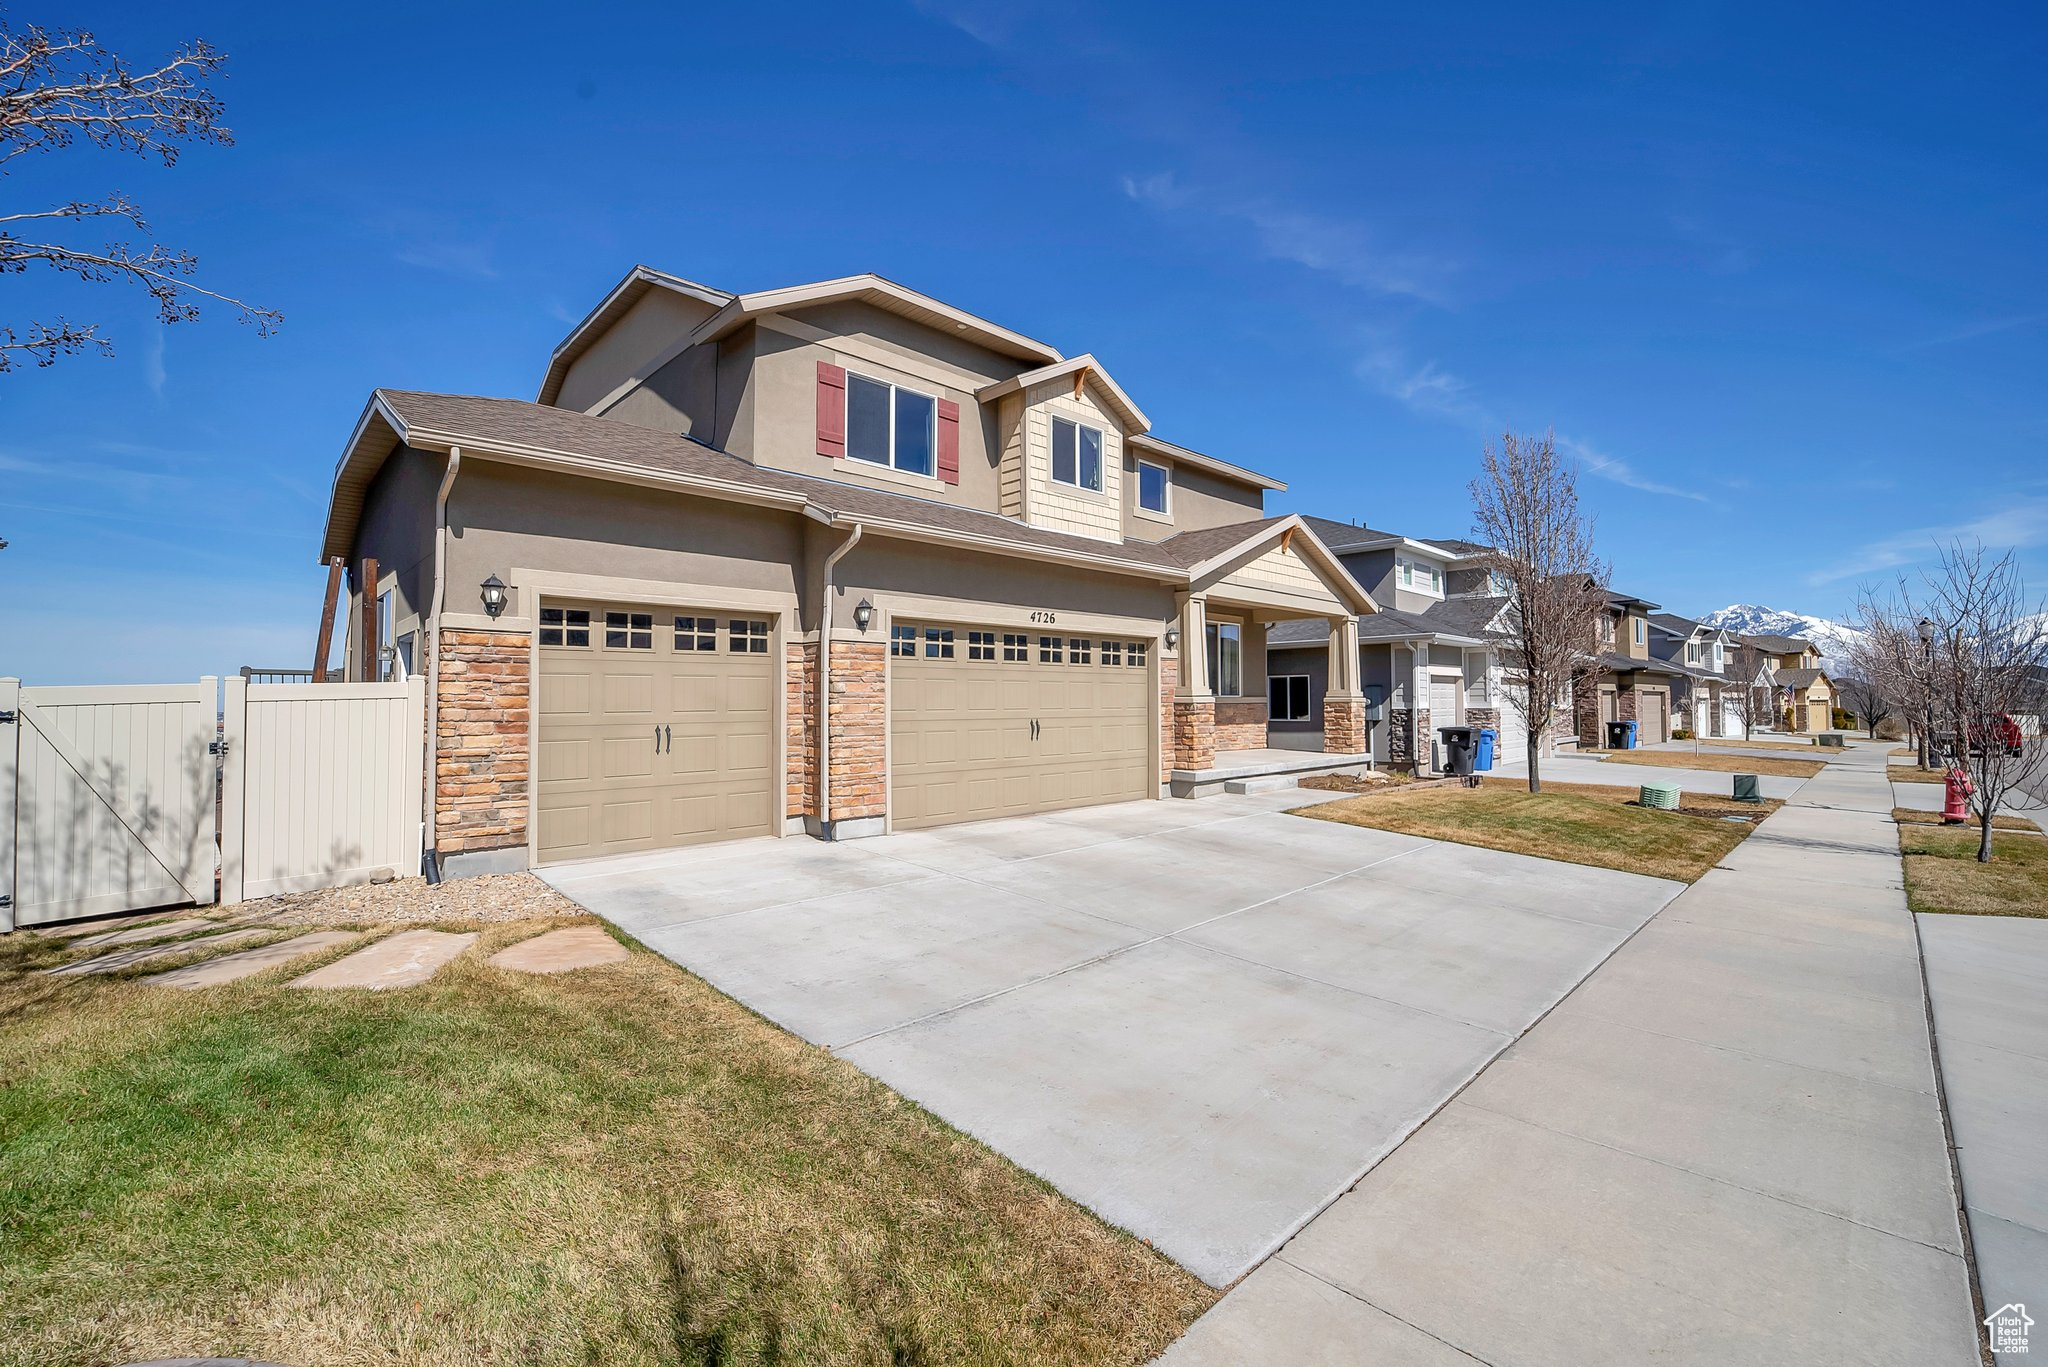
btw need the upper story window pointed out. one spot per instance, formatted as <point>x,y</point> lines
<point>1607,630</point>
<point>1497,584</point>
<point>1153,482</point>
<point>1637,622</point>
<point>1421,576</point>
<point>887,424</point>
<point>1076,455</point>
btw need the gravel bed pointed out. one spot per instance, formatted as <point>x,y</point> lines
<point>496,897</point>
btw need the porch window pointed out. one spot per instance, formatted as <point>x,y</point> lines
<point>1287,697</point>
<point>1076,455</point>
<point>1226,659</point>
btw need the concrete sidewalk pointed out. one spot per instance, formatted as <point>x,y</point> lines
<point>1984,974</point>
<point>1724,1147</point>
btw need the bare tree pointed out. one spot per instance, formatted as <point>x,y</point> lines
<point>1867,685</point>
<point>58,87</point>
<point>1984,659</point>
<point>1754,702</point>
<point>1895,664</point>
<point>1525,506</point>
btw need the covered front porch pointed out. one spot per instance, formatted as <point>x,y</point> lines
<point>1222,701</point>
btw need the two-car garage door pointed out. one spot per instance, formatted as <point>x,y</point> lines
<point>657,728</point>
<point>987,723</point>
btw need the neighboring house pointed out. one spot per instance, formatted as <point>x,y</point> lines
<point>1630,683</point>
<point>1025,599</point>
<point>1428,659</point>
<point>1702,698</point>
<point>1802,690</point>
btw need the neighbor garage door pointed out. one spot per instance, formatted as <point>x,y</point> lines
<point>986,723</point>
<point>657,728</point>
<point>1656,710</point>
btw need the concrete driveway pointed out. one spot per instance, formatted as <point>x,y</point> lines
<point>1204,1020</point>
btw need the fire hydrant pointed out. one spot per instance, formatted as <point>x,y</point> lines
<point>1955,810</point>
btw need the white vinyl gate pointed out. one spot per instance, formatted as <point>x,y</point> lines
<point>321,785</point>
<point>118,798</point>
<point>106,799</point>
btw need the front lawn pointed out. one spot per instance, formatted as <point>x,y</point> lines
<point>615,1165</point>
<point>1943,875</point>
<point>1578,823</point>
<point>1720,764</point>
<point>1908,816</point>
<point>1727,742</point>
<point>1899,773</point>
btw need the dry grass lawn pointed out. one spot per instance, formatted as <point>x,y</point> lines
<point>1720,764</point>
<point>1907,816</point>
<point>1793,746</point>
<point>617,1165</point>
<point>1576,823</point>
<point>1900,773</point>
<point>1943,875</point>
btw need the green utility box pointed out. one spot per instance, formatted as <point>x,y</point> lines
<point>1747,789</point>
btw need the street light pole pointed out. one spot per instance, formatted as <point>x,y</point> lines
<point>1927,672</point>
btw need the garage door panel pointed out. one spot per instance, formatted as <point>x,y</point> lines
<point>607,785</point>
<point>962,742</point>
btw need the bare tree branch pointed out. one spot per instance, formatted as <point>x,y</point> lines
<point>59,87</point>
<point>1525,506</point>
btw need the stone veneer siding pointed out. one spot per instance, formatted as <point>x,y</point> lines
<point>1343,727</point>
<point>1169,680</point>
<point>1408,739</point>
<point>482,765</point>
<point>859,710</point>
<point>800,682</point>
<point>1586,711</point>
<point>1194,734</point>
<point>1240,724</point>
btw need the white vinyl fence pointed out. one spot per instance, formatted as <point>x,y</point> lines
<point>136,797</point>
<point>320,786</point>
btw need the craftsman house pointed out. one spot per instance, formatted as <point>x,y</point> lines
<point>835,558</point>
<point>1804,694</point>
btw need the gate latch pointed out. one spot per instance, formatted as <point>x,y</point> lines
<point>216,747</point>
<point>6,718</point>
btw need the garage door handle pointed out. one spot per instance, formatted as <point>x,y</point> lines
<point>668,741</point>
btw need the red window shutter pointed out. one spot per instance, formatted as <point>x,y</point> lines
<point>949,441</point>
<point>831,409</point>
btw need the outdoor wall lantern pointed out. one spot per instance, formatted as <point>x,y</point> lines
<point>863,613</point>
<point>1172,637</point>
<point>494,595</point>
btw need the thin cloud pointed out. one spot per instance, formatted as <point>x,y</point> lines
<point>470,260</point>
<point>2019,524</point>
<point>1971,331</point>
<point>1343,249</point>
<point>1621,472</point>
<point>153,373</point>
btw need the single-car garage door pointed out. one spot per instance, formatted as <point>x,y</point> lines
<point>986,723</point>
<point>1655,727</point>
<point>656,728</point>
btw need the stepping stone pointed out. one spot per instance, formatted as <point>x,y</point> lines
<point>161,930</point>
<point>128,958</point>
<point>401,960</point>
<point>249,962</point>
<point>558,951</point>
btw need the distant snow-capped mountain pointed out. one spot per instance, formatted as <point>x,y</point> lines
<point>1748,619</point>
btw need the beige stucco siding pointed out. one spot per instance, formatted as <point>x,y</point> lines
<point>397,526</point>
<point>1063,507</point>
<point>660,320</point>
<point>784,427</point>
<point>502,517</point>
<point>1195,500</point>
<point>892,572</point>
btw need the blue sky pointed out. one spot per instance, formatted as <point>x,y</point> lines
<point>1775,273</point>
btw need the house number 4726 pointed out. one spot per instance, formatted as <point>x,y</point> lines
<point>1044,618</point>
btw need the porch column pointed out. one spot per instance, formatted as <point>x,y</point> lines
<point>1194,706</point>
<point>1343,702</point>
<point>1424,735</point>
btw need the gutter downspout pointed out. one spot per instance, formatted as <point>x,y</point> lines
<point>824,698</point>
<point>430,860</point>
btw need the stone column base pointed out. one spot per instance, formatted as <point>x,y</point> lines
<point>1344,726</point>
<point>1194,733</point>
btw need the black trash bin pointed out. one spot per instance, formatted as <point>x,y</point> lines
<point>1617,735</point>
<point>1459,744</point>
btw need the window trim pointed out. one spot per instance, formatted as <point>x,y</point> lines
<point>1165,508</point>
<point>1101,485</point>
<point>891,463</point>
<point>1307,698</point>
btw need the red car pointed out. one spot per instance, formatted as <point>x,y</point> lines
<point>2004,731</point>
